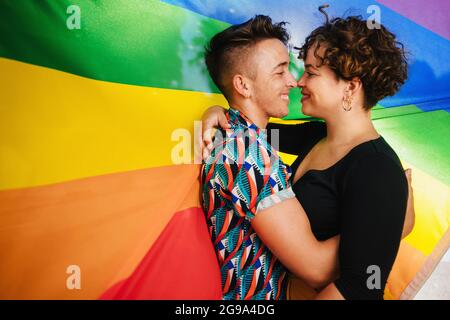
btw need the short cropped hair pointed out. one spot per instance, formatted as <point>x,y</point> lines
<point>232,46</point>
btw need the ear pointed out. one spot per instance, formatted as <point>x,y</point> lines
<point>242,85</point>
<point>353,87</point>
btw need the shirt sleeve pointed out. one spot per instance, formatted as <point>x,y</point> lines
<point>290,138</point>
<point>373,211</point>
<point>260,181</point>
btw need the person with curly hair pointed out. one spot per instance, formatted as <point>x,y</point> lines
<point>347,178</point>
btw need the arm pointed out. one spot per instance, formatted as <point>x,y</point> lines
<point>410,217</point>
<point>373,211</point>
<point>213,118</point>
<point>290,138</point>
<point>287,138</point>
<point>286,230</point>
<point>331,292</point>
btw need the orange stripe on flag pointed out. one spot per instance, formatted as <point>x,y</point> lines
<point>104,224</point>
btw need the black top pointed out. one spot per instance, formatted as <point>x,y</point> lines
<point>362,197</point>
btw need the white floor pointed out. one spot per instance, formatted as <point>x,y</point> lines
<point>437,286</point>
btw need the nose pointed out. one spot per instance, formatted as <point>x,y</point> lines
<point>301,81</point>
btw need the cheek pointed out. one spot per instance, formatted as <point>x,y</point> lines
<point>262,89</point>
<point>270,91</point>
<point>325,92</point>
<point>333,98</point>
<point>262,93</point>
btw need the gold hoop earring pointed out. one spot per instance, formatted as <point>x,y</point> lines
<point>347,104</point>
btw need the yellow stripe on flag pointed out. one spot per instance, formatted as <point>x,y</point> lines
<point>56,126</point>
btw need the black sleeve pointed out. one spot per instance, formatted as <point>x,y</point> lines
<point>290,138</point>
<point>373,211</point>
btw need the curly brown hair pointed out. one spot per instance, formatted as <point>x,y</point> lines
<point>354,50</point>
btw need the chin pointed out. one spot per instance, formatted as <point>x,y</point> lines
<point>307,111</point>
<point>285,110</point>
<point>280,112</point>
<point>283,113</point>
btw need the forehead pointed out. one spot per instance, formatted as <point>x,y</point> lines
<point>270,52</point>
<point>311,57</point>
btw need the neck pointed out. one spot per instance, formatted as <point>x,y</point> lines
<point>350,129</point>
<point>253,113</point>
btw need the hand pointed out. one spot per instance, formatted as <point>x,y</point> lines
<point>212,119</point>
<point>410,216</point>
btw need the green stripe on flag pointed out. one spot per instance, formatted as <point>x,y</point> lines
<point>146,43</point>
<point>420,139</point>
<point>382,113</point>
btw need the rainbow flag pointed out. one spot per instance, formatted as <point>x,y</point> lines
<point>95,99</point>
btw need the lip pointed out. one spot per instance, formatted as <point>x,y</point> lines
<point>285,96</point>
<point>305,97</point>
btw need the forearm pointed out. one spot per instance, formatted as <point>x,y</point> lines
<point>323,261</point>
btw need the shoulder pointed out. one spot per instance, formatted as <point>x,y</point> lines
<point>232,142</point>
<point>373,154</point>
<point>245,149</point>
<point>376,165</point>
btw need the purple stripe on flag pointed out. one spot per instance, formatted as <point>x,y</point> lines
<point>431,14</point>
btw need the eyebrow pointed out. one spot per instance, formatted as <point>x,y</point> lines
<point>280,65</point>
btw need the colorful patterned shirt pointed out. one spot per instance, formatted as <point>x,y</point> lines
<point>242,176</point>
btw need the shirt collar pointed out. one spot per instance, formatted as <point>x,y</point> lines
<point>238,118</point>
